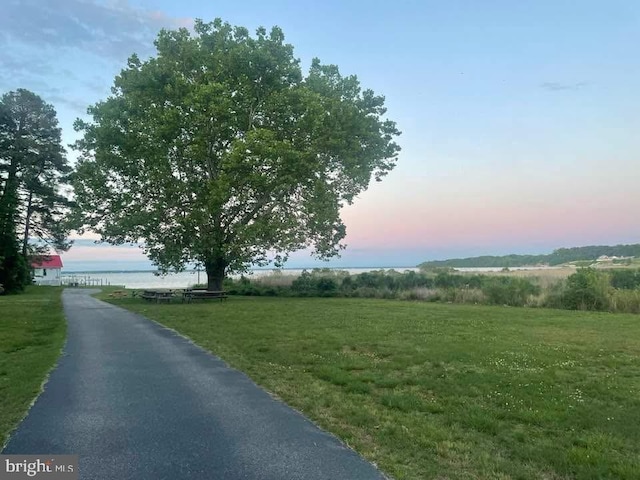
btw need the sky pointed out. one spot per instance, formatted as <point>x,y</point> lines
<point>520,120</point>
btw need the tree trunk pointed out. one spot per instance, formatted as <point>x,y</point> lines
<point>9,200</point>
<point>215,273</point>
<point>27,221</point>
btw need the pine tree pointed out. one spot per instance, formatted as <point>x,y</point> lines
<point>33,173</point>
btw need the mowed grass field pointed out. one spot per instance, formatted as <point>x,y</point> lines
<point>436,391</point>
<point>32,333</point>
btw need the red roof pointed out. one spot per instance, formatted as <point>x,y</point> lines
<point>50,261</point>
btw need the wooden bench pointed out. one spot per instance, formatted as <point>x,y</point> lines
<point>157,295</point>
<point>197,294</point>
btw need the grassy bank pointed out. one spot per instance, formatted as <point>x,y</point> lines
<point>441,391</point>
<point>32,332</point>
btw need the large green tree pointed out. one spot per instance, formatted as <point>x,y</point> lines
<point>33,174</point>
<point>220,152</point>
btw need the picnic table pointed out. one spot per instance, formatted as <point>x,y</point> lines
<point>187,295</point>
<point>202,294</point>
<point>158,295</point>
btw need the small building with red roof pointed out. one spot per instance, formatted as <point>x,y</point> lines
<point>47,270</point>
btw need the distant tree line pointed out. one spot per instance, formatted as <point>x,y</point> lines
<point>558,257</point>
<point>33,176</point>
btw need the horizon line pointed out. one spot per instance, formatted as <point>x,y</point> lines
<point>257,268</point>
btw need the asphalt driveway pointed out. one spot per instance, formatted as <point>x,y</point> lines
<point>137,401</point>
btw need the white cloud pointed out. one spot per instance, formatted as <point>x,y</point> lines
<point>44,43</point>
<point>68,51</point>
<point>114,29</point>
<point>558,87</point>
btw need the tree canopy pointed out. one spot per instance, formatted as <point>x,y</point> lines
<point>219,151</point>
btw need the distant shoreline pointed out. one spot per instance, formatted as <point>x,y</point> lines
<point>560,256</point>
<point>78,272</point>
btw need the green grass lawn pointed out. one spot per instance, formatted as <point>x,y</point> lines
<point>32,332</point>
<point>441,391</point>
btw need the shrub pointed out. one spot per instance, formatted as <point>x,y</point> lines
<point>326,286</point>
<point>510,291</point>
<point>347,286</point>
<point>314,285</point>
<point>303,285</point>
<point>15,273</point>
<point>553,296</point>
<point>420,293</point>
<point>371,280</point>
<point>476,281</point>
<point>626,279</point>
<point>469,295</point>
<point>448,280</point>
<point>243,286</point>
<point>625,301</point>
<point>371,292</point>
<point>412,279</point>
<point>587,289</point>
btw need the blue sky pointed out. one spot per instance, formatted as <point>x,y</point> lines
<point>520,120</point>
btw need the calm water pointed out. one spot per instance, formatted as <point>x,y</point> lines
<point>184,279</point>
